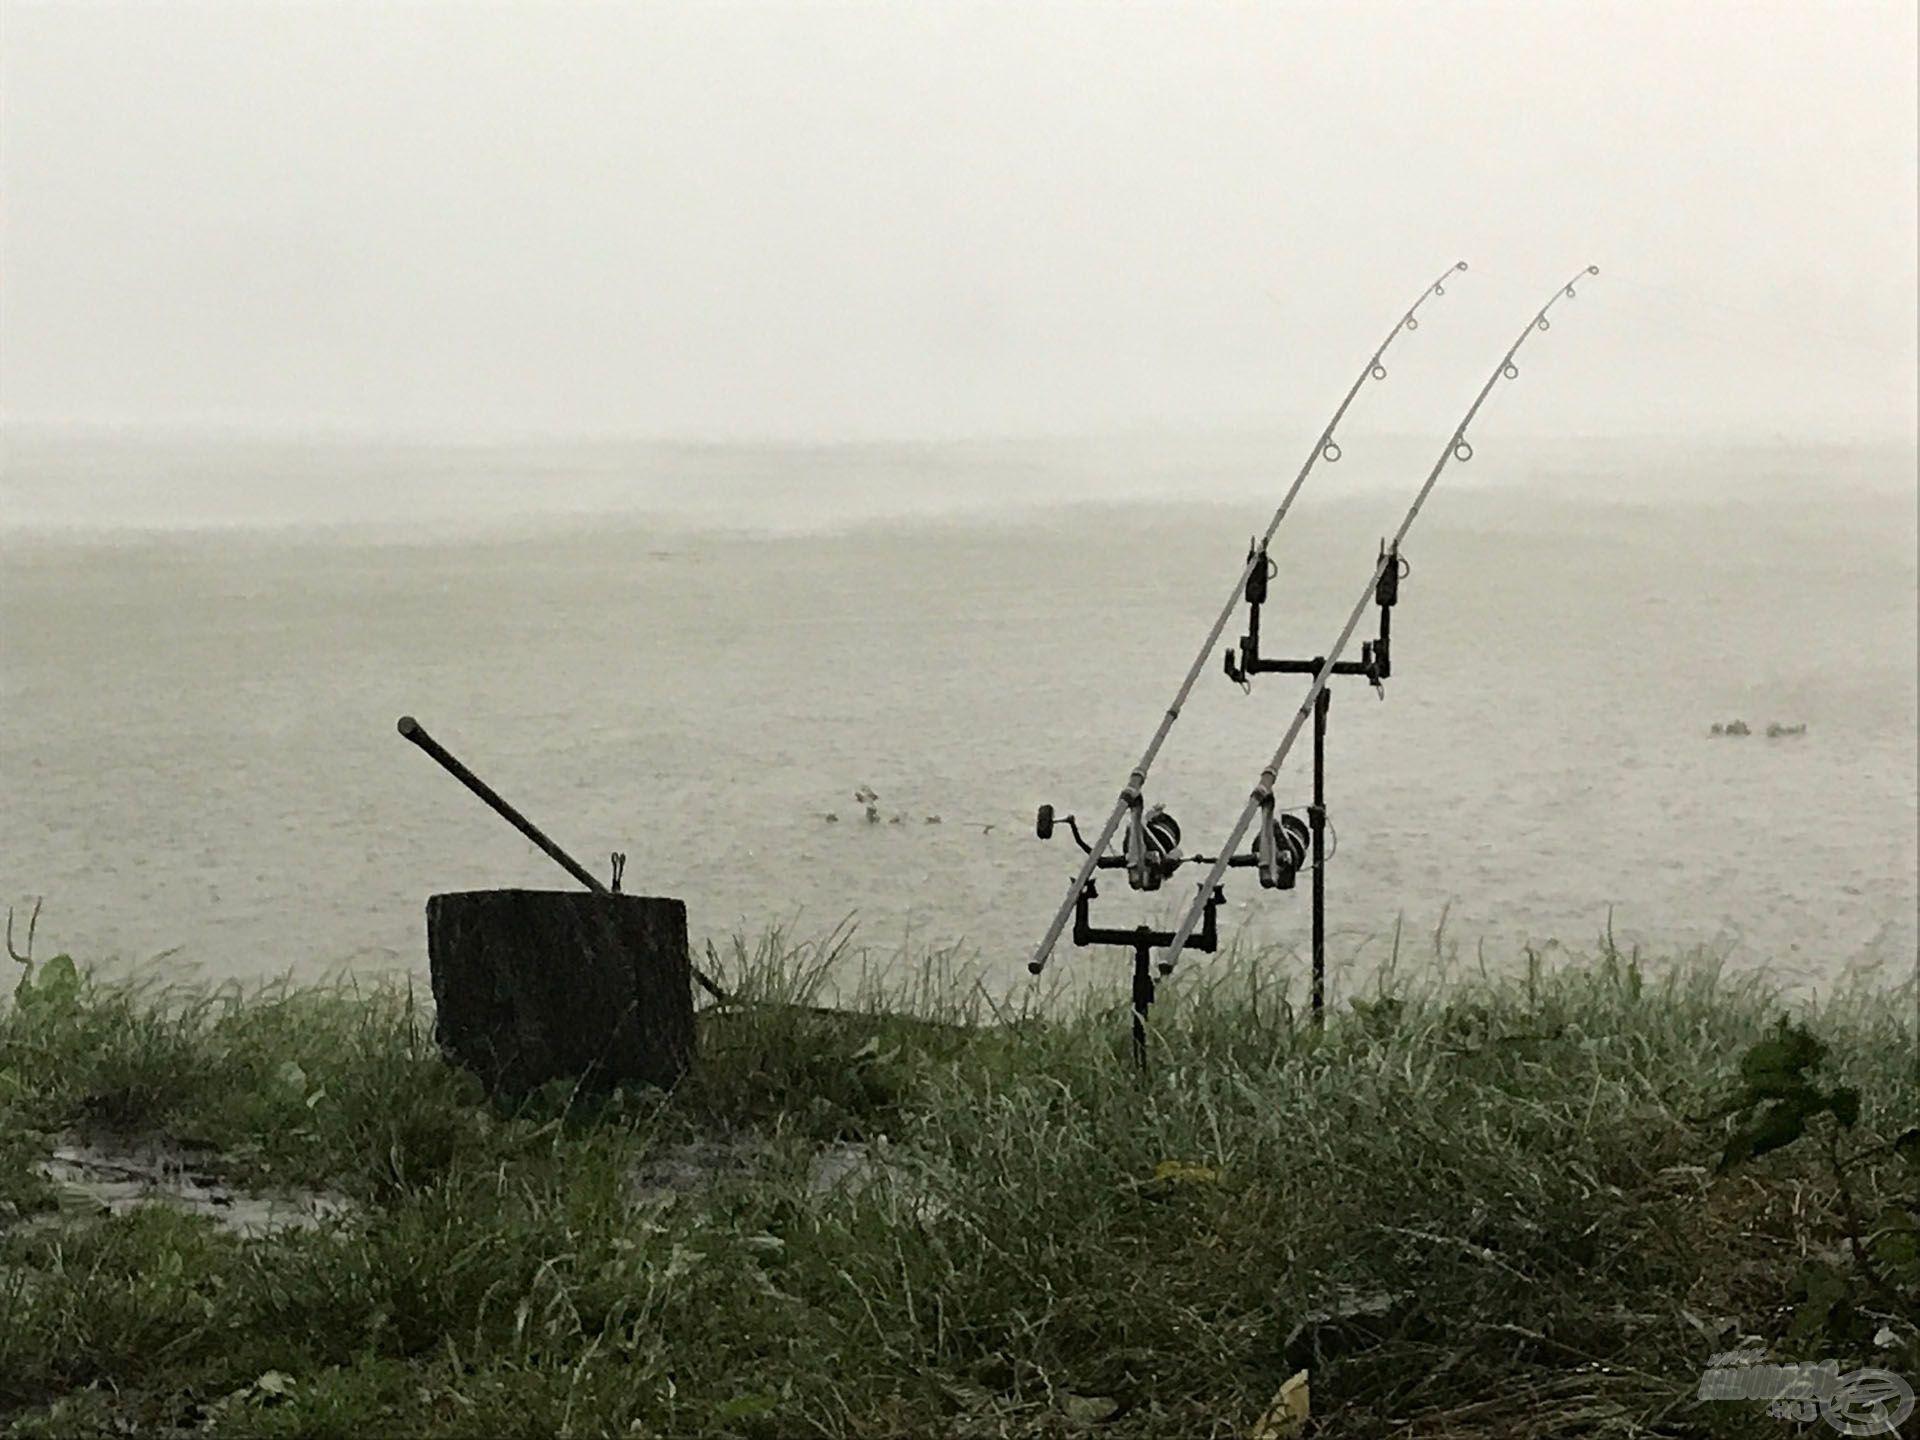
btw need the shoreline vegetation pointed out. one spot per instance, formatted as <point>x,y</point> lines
<point>1473,1206</point>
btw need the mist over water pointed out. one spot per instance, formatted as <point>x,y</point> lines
<point>322,328</point>
<point>695,653</point>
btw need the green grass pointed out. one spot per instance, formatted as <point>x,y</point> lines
<point>1522,1164</point>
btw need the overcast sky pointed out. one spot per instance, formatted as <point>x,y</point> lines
<point>850,221</point>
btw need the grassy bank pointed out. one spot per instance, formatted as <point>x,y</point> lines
<point>1478,1208</point>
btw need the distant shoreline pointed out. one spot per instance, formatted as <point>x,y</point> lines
<point>121,490</point>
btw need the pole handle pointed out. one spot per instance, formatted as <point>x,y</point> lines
<point>412,729</point>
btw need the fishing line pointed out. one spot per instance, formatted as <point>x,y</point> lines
<point>1457,448</point>
<point>1140,870</point>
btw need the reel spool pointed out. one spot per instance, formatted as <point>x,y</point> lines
<point>1281,848</point>
<point>1152,850</point>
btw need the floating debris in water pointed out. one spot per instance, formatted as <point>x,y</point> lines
<point>869,799</point>
<point>1732,727</point>
<point>1775,732</point>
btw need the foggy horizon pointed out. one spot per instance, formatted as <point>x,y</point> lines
<point>864,225</point>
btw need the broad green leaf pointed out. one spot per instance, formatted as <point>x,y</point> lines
<point>1844,1102</point>
<point>1778,1065</point>
<point>1907,1146</point>
<point>1779,1124</point>
<point>1827,1310</point>
<point>745,1407</point>
<point>1896,1243</point>
<point>54,984</point>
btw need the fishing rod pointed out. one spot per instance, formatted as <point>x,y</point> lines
<point>1144,860</point>
<point>1260,802</point>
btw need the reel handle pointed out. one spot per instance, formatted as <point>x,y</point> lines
<point>1043,823</point>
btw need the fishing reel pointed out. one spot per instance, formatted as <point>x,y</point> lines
<point>1281,847</point>
<point>1151,854</point>
<point>1375,664</point>
<point>1152,849</point>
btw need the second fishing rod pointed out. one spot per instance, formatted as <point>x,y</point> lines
<point>1260,802</point>
<point>1139,858</point>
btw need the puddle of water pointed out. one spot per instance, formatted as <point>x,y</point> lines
<point>694,1167</point>
<point>116,1179</point>
<point>840,1168</point>
<point>855,1168</point>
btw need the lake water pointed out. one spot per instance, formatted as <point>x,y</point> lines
<point>694,654</point>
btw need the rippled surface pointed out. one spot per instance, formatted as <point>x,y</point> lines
<point>198,743</point>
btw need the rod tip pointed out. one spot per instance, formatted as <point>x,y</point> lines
<point>409,726</point>
<point>1459,264</point>
<point>1034,967</point>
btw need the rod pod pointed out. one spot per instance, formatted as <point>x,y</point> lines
<point>1324,448</point>
<point>1457,448</point>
